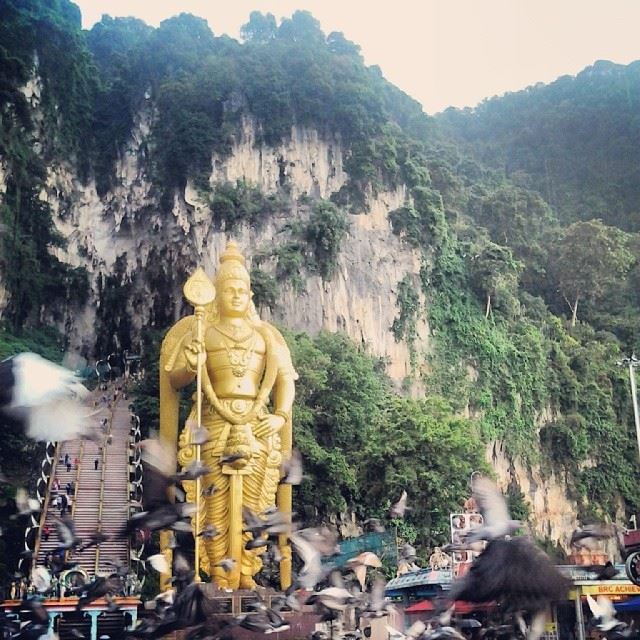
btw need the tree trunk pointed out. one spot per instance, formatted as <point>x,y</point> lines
<point>574,312</point>
<point>488,309</point>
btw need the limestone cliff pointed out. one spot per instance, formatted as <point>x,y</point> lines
<point>125,232</point>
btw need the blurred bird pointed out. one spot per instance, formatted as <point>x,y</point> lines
<point>227,564</point>
<point>360,563</point>
<point>24,504</point>
<point>37,627</point>
<point>517,575</point>
<point>377,605</point>
<point>199,435</point>
<point>195,470</point>
<point>43,398</point>
<point>605,571</point>
<point>374,525</point>
<point>291,469</point>
<point>590,535</point>
<point>41,579</point>
<point>99,588</point>
<point>496,520</point>
<point>159,563</point>
<point>161,512</point>
<point>311,545</point>
<point>399,508</point>
<point>209,491</point>
<point>605,619</point>
<point>408,552</point>
<point>95,539</point>
<point>334,598</point>
<point>209,532</point>
<point>65,529</point>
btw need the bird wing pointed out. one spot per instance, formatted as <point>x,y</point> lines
<point>159,563</point>
<point>606,607</point>
<point>398,509</point>
<point>491,502</point>
<point>39,381</point>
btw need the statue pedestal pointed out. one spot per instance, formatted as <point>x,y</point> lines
<point>230,604</point>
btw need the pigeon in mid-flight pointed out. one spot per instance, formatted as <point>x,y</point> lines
<point>512,571</point>
<point>42,397</point>
<point>497,522</point>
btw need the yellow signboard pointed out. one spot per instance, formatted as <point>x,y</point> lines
<point>610,589</point>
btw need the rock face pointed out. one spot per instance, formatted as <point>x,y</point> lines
<point>124,232</point>
<point>553,516</point>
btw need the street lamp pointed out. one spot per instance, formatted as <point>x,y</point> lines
<point>632,363</point>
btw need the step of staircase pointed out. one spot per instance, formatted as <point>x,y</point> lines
<point>101,497</point>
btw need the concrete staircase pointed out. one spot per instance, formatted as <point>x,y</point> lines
<point>115,499</point>
<point>101,497</point>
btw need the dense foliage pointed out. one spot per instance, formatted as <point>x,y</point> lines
<point>42,37</point>
<point>574,141</point>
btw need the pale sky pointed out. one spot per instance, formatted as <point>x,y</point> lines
<point>441,52</point>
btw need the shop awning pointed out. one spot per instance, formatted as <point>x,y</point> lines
<point>633,604</point>
<point>460,606</point>
<point>417,607</point>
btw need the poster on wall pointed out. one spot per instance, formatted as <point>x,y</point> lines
<point>461,524</point>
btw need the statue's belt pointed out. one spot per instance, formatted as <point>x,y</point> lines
<point>221,428</point>
<point>238,406</point>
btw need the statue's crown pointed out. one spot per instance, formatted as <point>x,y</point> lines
<point>232,265</point>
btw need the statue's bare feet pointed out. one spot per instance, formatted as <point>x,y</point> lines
<point>221,581</point>
<point>247,582</point>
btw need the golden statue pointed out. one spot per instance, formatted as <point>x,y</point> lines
<point>247,391</point>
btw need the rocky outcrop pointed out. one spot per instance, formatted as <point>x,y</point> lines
<point>553,515</point>
<point>125,230</point>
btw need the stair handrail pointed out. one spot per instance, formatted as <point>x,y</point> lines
<point>75,493</point>
<point>46,501</point>
<point>134,438</point>
<point>102,475</point>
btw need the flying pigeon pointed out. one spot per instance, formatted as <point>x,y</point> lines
<point>496,520</point>
<point>43,398</point>
<point>605,619</point>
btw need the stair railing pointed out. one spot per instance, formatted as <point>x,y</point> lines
<point>102,477</point>
<point>46,481</point>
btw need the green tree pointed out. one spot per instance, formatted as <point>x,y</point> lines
<point>494,274</point>
<point>261,28</point>
<point>324,233</point>
<point>587,260</point>
<point>421,447</point>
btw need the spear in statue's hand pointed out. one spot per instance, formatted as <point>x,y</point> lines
<point>199,291</point>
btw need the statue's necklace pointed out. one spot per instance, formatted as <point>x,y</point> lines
<point>235,333</point>
<point>238,357</point>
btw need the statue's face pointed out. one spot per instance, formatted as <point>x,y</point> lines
<point>234,298</point>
